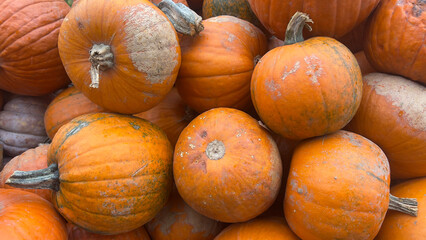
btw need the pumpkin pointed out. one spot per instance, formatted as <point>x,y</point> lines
<point>21,124</point>
<point>77,233</point>
<point>306,88</point>
<point>67,105</point>
<point>177,220</point>
<point>400,226</point>
<point>25,215</point>
<point>354,40</point>
<point>338,188</point>
<point>271,228</point>
<point>392,115</point>
<point>171,115</point>
<point>333,19</point>
<point>218,63</point>
<point>226,166</point>
<point>363,63</point>
<point>30,63</point>
<point>111,173</point>
<point>395,38</point>
<point>32,159</point>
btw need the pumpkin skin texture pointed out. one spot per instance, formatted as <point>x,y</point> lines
<point>218,63</point>
<point>275,15</point>
<point>115,171</point>
<point>392,114</point>
<point>272,228</point>
<point>25,215</point>
<point>77,233</point>
<point>139,44</point>
<point>398,225</point>
<point>363,63</point>
<point>214,153</point>
<point>395,38</point>
<point>338,188</point>
<point>69,104</point>
<point>32,159</point>
<point>29,58</point>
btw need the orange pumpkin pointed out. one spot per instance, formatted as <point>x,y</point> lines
<point>306,88</point>
<point>125,61</point>
<point>77,233</point>
<point>25,215</point>
<point>30,63</point>
<point>226,166</point>
<point>393,115</point>
<point>69,104</point>
<point>363,63</point>
<point>218,63</point>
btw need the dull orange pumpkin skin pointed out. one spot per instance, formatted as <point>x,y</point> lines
<point>115,171</point>
<point>307,89</point>
<point>77,233</point>
<point>146,58</point>
<point>271,228</point>
<point>392,114</point>
<point>215,188</point>
<point>395,38</point>
<point>363,63</point>
<point>32,159</point>
<point>401,226</point>
<point>338,188</point>
<point>218,63</point>
<point>29,58</point>
<point>25,215</point>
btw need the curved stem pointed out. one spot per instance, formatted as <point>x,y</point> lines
<point>404,205</point>
<point>47,178</point>
<point>294,32</point>
<point>102,59</point>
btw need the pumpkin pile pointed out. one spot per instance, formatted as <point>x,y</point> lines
<point>201,120</point>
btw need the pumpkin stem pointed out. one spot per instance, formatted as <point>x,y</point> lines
<point>47,178</point>
<point>184,20</point>
<point>101,58</point>
<point>215,150</point>
<point>404,205</point>
<point>294,32</point>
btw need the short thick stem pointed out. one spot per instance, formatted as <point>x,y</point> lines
<point>102,59</point>
<point>404,205</point>
<point>47,178</point>
<point>294,32</point>
<point>215,150</point>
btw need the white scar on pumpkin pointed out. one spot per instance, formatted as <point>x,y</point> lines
<point>314,68</point>
<point>292,70</point>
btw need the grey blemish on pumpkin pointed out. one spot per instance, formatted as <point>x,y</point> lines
<point>314,68</point>
<point>134,125</point>
<point>292,70</point>
<point>76,129</point>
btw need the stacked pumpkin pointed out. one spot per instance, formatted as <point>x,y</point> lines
<point>176,126</point>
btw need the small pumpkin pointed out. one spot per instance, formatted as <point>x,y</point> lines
<point>25,215</point>
<point>77,233</point>
<point>226,166</point>
<point>363,63</point>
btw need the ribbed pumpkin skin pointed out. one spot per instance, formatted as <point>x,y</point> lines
<point>244,181</point>
<point>32,159</point>
<point>393,115</point>
<point>77,233</point>
<point>218,63</point>
<point>394,39</point>
<point>338,188</point>
<point>115,171</point>
<point>401,226</point>
<point>307,89</point>
<point>333,19</point>
<point>69,104</point>
<point>29,58</point>
<point>272,228</point>
<point>145,48</point>
<point>237,8</point>
<point>25,215</point>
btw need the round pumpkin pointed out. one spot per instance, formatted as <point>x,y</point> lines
<point>32,159</point>
<point>363,63</point>
<point>226,166</point>
<point>77,233</point>
<point>29,59</point>
<point>218,63</point>
<point>271,228</point>
<point>67,105</point>
<point>394,39</point>
<point>400,226</point>
<point>25,215</point>
<point>392,114</point>
<point>125,61</point>
<point>306,88</point>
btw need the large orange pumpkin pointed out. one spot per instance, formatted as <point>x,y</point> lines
<point>338,188</point>
<point>306,88</point>
<point>111,173</point>
<point>29,59</point>
<point>77,233</point>
<point>25,215</point>
<point>226,166</point>
<point>394,40</point>
<point>392,114</point>
<point>125,61</point>
<point>218,63</point>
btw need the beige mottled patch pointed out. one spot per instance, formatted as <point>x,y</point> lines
<point>244,24</point>
<point>404,94</point>
<point>292,70</point>
<point>151,42</point>
<point>314,68</point>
